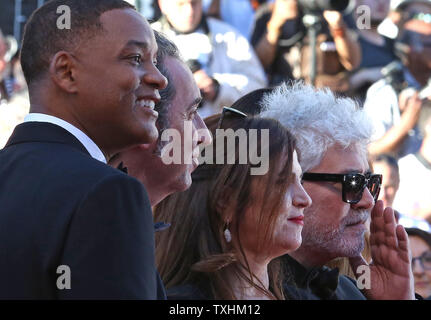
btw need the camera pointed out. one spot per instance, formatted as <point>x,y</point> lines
<point>393,73</point>
<point>322,5</point>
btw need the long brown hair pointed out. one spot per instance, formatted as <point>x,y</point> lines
<point>193,250</point>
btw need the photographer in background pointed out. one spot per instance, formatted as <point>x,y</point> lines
<point>395,114</point>
<point>413,196</point>
<point>377,50</point>
<point>413,180</point>
<point>224,64</point>
<point>283,48</point>
<point>8,48</point>
<point>14,102</point>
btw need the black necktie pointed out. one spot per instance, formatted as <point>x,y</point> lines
<point>323,282</point>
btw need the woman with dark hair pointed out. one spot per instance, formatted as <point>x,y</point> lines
<point>229,227</point>
<point>420,244</point>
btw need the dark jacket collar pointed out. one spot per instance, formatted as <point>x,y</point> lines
<point>321,281</point>
<point>158,226</point>
<point>44,132</point>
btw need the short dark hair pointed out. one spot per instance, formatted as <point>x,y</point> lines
<point>166,48</point>
<point>42,38</point>
<point>425,236</point>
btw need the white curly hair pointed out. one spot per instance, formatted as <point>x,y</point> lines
<point>318,120</point>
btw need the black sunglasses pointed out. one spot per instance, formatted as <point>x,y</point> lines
<point>229,111</point>
<point>424,260</point>
<point>353,184</point>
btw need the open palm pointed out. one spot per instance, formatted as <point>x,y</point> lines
<point>390,270</point>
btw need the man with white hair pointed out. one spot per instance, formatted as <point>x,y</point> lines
<point>332,136</point>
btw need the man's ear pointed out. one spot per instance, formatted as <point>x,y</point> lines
<point>62,71</point>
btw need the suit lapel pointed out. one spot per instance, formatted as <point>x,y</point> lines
<point>44,132</point>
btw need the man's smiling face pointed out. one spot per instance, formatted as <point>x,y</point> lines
<point>118,81</point>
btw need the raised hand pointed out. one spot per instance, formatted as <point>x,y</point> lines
<point>283,10</point>
<point>390,270</point>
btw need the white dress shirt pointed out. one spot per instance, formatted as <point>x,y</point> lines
<point>89,144</point>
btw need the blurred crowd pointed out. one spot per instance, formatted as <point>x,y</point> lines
<point>375,52</point>
<point>14,104</point>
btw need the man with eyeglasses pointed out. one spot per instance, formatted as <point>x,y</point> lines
<point>332,135</point>
<point>420,244</point>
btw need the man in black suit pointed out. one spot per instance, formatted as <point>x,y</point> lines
<point>72,227</point>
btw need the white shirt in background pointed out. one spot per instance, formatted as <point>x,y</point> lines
<point>414,192</point>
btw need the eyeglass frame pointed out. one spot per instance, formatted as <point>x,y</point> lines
<point>229,109</point>
<point>342,177</point>
<point>420,258</point>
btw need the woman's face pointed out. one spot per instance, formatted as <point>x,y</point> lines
<point>286,235</point>
<point>422,275</point>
